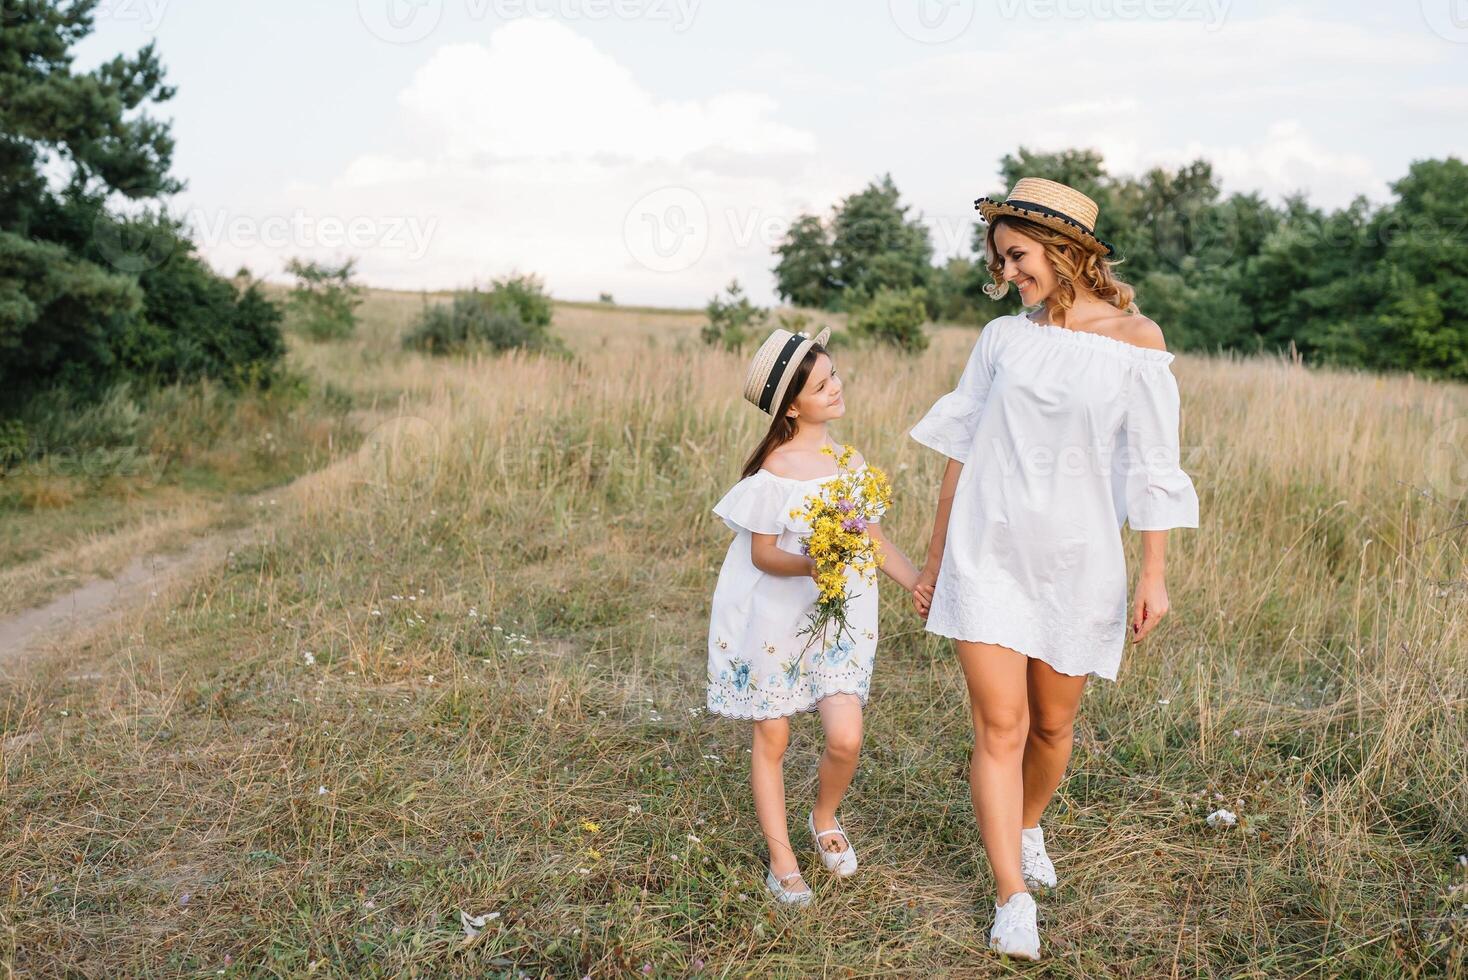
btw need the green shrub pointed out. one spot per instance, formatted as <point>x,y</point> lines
<point>733,319</point>
<point>324,301</point>
<point>894,316</point>
<point>514,313</point>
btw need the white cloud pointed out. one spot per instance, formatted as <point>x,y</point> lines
<point>538,89</point>
<point>1254,97</point>
<point>533,149</point>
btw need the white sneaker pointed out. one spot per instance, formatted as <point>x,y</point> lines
<point>1015,932</point>
<point>1034,863</point>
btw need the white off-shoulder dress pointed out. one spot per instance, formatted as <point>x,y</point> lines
<point>1065,436</point>
<point>758,668</point>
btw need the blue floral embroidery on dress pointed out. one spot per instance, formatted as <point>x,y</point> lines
<point>837,652</point>
<point>741,675</point>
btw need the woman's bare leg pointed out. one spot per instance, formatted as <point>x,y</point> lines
<point>1054,698</point>
<point>1000,705</point>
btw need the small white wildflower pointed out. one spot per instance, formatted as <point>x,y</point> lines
<point>1164,701</point>
<point>310,659</point>
<point>322,791</point>
<point>694,838</point>
<point>634,808</point>
<point>1222,818</point>
<point>377,612</point>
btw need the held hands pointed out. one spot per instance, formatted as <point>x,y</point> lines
<point>922,590</point>
<point>1149,606</point>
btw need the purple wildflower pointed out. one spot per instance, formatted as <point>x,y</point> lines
<point>854,524</point>
<point>845,506</point>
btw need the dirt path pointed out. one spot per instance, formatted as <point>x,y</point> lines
<point>99,599</point>
<point>149,574</point>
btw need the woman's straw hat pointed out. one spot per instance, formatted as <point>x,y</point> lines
<point>1051,204</point>
<point>774,365</point>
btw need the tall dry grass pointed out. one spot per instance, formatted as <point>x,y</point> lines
<point>504,594</point>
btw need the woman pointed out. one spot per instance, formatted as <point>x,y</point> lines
<point>1063,426</point>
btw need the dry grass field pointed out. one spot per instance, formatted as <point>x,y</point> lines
<point>459,669</point>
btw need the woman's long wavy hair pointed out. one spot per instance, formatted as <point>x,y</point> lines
<point>782,426</point>
<point>1073,263</point>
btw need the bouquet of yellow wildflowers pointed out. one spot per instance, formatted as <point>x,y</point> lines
<point>838,539</point>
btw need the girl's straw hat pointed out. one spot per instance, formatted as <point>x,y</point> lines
<point>774,365</point>
<point>1051,204</point>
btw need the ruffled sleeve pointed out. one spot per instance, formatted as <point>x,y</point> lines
<point>756,503</point>
<point>951,423</point>
<point>1157,493</point>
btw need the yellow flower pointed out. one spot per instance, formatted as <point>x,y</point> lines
<point>590,827</point>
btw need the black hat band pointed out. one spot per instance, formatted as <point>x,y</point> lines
<point>778,371</point>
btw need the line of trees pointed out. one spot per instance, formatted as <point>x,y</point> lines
<point>1379,287</point>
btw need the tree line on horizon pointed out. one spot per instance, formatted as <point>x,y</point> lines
<point>1376,287</point>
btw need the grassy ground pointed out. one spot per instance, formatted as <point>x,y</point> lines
<point>462,671</point>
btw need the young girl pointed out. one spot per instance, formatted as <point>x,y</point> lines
<point>759,668</point>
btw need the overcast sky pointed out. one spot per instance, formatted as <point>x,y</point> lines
<point>656,149</point>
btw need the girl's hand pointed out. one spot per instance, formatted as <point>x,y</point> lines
<point>814,572</point>
<point>922,592</point>
<point>1149,606</point>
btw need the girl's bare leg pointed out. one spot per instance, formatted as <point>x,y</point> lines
<point>841,719</point>
<point>767,781</point>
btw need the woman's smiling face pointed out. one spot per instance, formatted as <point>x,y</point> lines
<point>1024,265</point>
<point>821,399</point>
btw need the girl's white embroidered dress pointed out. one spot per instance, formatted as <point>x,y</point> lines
<point>1064,436</point>
<point>757,666</point>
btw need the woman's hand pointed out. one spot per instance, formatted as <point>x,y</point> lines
<point>1149,606</point>
<point>922,591</point>
<point>815,575</point>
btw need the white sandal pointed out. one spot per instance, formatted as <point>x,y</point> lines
<point>783,894</point>
<point>842,862</point>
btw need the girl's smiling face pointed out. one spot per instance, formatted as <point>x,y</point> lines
<point>1024,265</point>
<point>820,400</point>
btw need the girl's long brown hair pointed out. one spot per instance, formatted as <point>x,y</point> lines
<point>782,426</point>
<point>1072,261</point>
